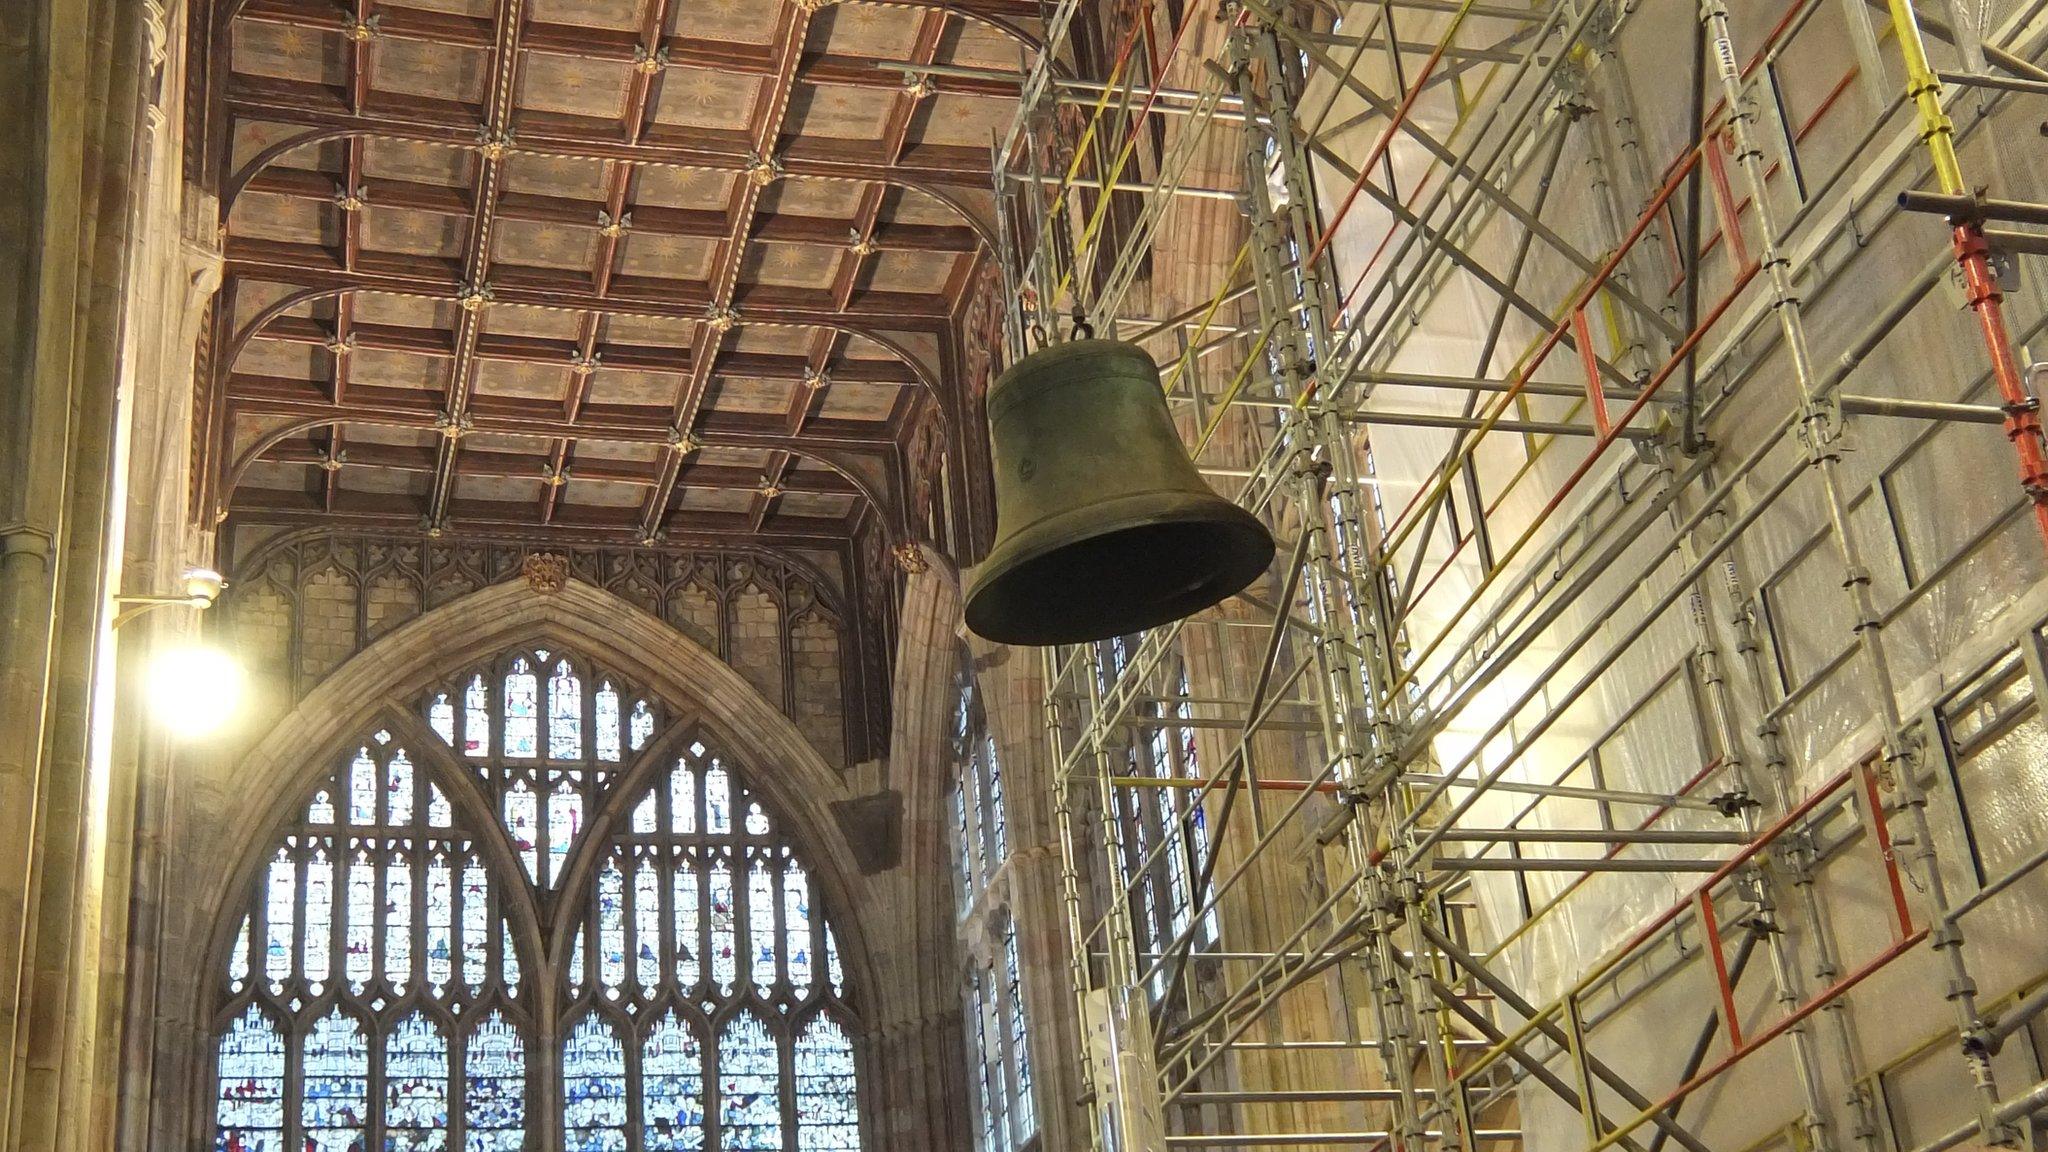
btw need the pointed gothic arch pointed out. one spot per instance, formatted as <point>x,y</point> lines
<point>399,684</point>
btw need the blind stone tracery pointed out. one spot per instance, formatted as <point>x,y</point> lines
<point>373,997</point>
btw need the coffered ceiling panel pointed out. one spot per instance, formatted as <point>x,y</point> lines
<point>623,268</point>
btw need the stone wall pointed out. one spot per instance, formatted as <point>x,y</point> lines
<point>299,606</point>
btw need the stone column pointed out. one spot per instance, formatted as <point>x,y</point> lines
<point>1013,692</point>
<point>97,322</point>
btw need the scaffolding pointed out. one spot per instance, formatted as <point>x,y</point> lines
<point>1654,596</point>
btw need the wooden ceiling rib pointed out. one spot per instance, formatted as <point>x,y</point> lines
<point>580,266</point>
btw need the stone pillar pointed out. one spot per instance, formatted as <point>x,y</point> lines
<point>1013,692</point>
<point>97,319</point>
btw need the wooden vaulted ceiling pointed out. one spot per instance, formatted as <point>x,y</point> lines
<point>612,270</point>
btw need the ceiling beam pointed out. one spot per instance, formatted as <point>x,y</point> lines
<point>648,219</point>
<point>928,167</point>
<point>303,400</point>
<point>523,466</point>
<point>400,513</point>
<point>314,266</point>
<point>656,359</point>
<point>612,45</point>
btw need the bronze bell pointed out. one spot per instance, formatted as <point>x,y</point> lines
<point>1103,526</point>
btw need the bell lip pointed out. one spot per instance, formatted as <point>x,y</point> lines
<point>1013,552</point>
<point>1033,374</point>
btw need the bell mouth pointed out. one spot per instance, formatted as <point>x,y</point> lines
<point>1123,579</point>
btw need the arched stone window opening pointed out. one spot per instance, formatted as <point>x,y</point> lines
<point>374,993</point>
<point>704,994</point>
<point>548,733</point>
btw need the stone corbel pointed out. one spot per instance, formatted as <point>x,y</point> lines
<point>204,264</point>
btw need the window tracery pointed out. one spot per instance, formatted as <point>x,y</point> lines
<point>372,994</point>
<point>994,993</point>
<point>318,1056</point>
<point>532,700</point>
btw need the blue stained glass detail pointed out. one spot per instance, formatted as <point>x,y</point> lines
<point>238,960</point>
<point>593,1088</point>
<point>647,925</point>
<point>998,819</point>
<point>522,710</point>
<point>761,925</point>
<point>682,799</point>
<point>796,927</point>
<point>440,923</point>
<point>565,822</point>
<point>672,1089</point>
<point>476,923</point>
<point>611,928</point>
<point>335,1109</point>
<point>476,718</point>
<point>565,714</point>
<point>827,1115</point>
<point>605,711</point>
<point>833,973</point>
<point>749,1087</point>
<point>415,1087</point>
<point>511,958</point>
<point>689,929</point>
<point>576,973</point>
<point>724,962</point>
<point>321,810</point>
<point>249,1110</point>
<point>494,1095</point>
<point>1020,1046</point>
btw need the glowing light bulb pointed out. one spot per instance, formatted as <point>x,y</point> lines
<point>195,690</point>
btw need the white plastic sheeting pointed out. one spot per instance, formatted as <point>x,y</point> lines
<point>1936,508</point>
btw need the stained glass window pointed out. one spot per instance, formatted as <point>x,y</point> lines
<point>749,1087</point>
<point>415,1087</point>
<point>825,1116</point>
<point>593,1088</point>
<point>409,905</point>
<point>476,718</point>
<point>565,714</point>
<point>611,928</point>
<point>494,1087</point>
<point>371,998</point>
<point>539,706</point>
<point>672,1088</point>
<point>522,710</point>
<point>641,725</point>
<point>605,715</point>
<point>249,1113</point>
<point>676,879</point>
<point>334,1109</point>
<point>441,718</point>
